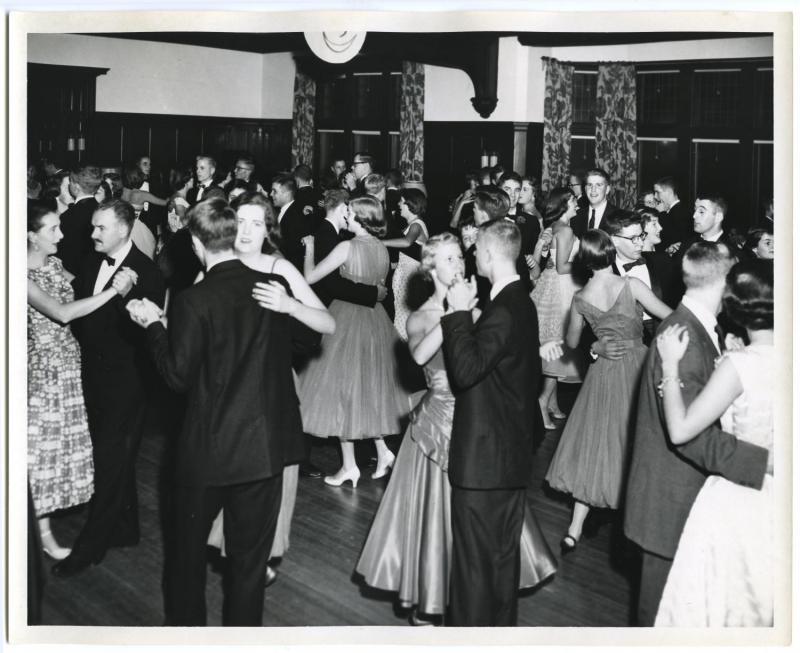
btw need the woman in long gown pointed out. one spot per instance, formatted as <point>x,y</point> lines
<point>723,572</point>
<point>408,549</point>
<point>254,247</point>
<point>60,466</point>
<point>412,209</point>
<point>590,460</point>
<point>553,294</point>
<point>352,390</point>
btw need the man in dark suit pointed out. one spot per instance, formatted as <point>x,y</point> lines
<point>76,221</point>
<point>233,360</point>
<point>112,369</point>
<point>708,224</point>
<point>205,168</point>
<point>676,220</point>
<point>598,187</point>
<point>306,196</point>
<point>493,365</point>
<point>655,269</point>
<point>294,226</point>
<point>665,479</point>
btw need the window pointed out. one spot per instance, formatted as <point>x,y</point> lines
<point>715,98</point>
<point>582,153</point>
<point>762,115</point>
<point>584,96</point>
<point>657,97</point>
<point>657,158</point>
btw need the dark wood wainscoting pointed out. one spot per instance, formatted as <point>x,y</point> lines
<point>175,140</point>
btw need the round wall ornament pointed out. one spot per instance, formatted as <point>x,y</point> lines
<point>335,47</point>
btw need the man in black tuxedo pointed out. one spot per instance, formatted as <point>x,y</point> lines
<point>708,222</point>
<point>294,226</point>
<point>664,478</point>
<point>306,196</point>
<point>205,168</point>
<point>112,369</point>
<point>242,426</point>
<point>598,188</point>
<point>76,221</point>
<point>656,270</point>
<point>493,365</point>
<point>676,220</point>
<point>362,167</point>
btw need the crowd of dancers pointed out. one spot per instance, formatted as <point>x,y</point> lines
<point>266,316</point>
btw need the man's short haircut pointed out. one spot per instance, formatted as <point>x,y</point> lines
<point>493,201</point>
<point>597,172</point>
<point>513,176</point>
<point>213,223</point>
<point>596,251</point>
<point>366,157</point>
<point>503,238</point>
<point>123,211</point>
<point>286,182</point>
<point>394,178</point>
<point>334,198</point>
<point>302,172</point>
<point>706,263</point>
<point>714,198</point>
<point>668,182</point>
<point>247,160</point>
<point>87,178</point>
<point>374,183</point>
<point>214,192</point>
<point>497,171</point>
<point>619,220</point>
<point>209,159</point>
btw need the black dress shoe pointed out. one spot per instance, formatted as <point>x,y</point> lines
<point>72,565</point>
<point>271,577</point>
<point>310,470</point>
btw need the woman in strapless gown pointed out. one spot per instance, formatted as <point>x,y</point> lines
<point>409,546</point>
<point>590,460</point>
<point>553,294</point>
<point>724,568</point>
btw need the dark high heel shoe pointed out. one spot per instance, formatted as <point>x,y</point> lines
<point>568,544</point>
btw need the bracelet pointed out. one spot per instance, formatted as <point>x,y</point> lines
<point>665,380</point>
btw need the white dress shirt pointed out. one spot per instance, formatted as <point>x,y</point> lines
<point>107,271</point>
<point>598,215</point>
<point>283,212</point>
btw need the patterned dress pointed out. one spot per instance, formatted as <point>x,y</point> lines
<point>60,467</point>
<point>407,265</point>
<point>724,569</point>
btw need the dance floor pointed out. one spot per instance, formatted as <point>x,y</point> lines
<point>316,585</point>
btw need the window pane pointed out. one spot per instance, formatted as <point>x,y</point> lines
<point>716,169</point>
<point>656,159</point>
<point>581,154</point>
<point>394,151</point>
<point>657,98</point>
<point>763,99</point>
<point>763,170</point>
<point>394,100</point>
<point>372,143</point>
<point>332,101</point>
<point>369,100</point>
<point>584,97</point>
<point>329,146</point>
<point>715,99</point>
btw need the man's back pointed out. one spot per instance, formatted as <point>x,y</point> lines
<point>76,225</point>
<point>233,360</point>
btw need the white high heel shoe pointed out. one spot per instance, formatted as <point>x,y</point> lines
<point>384,466</point>
<point>344,475</point>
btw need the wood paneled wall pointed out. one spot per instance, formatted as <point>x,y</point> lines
<point>176,140</point>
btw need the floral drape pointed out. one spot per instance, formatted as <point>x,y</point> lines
<point>615,132</point>
<point>412,113</point>
<point>557,123</point>
<point>305,99</point>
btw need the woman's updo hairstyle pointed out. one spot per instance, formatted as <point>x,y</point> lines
<point>555,205</point>
<point>37,210</point>
<point>748,297</point>
<point>429,249</point>
<point>368,212</point>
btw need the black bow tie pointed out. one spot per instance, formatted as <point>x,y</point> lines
<point>629,266</point>
<point>112,262</point>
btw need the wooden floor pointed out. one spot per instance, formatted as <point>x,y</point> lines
<point>316,584</point>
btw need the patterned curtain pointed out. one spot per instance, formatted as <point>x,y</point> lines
<point>305,99</point>
<point>557,123</point>
<point>615,133</point>
<point>412,112</point>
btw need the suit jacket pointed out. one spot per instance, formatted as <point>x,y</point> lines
<point>677,226</point>
<point>294,226</point>
<point>191,195</point>
<point>76,225</point>
<point>495,369</point>
<point>112,354</point>
<point>308,198</point>
<point>528,227</point>
<point>580,223</point>
<point>232,358</point>
<point>665,277</point>
<point>665,479</point>
<point>334,286</point>
<point>725,238</point>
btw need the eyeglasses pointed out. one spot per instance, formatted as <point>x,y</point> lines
<point>242,168</point>
<point>355,163</point>
<point>638,238</point>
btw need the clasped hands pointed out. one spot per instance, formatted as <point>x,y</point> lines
<point>144,312</point>
<point>462,295</point>
<point>124,280</point>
